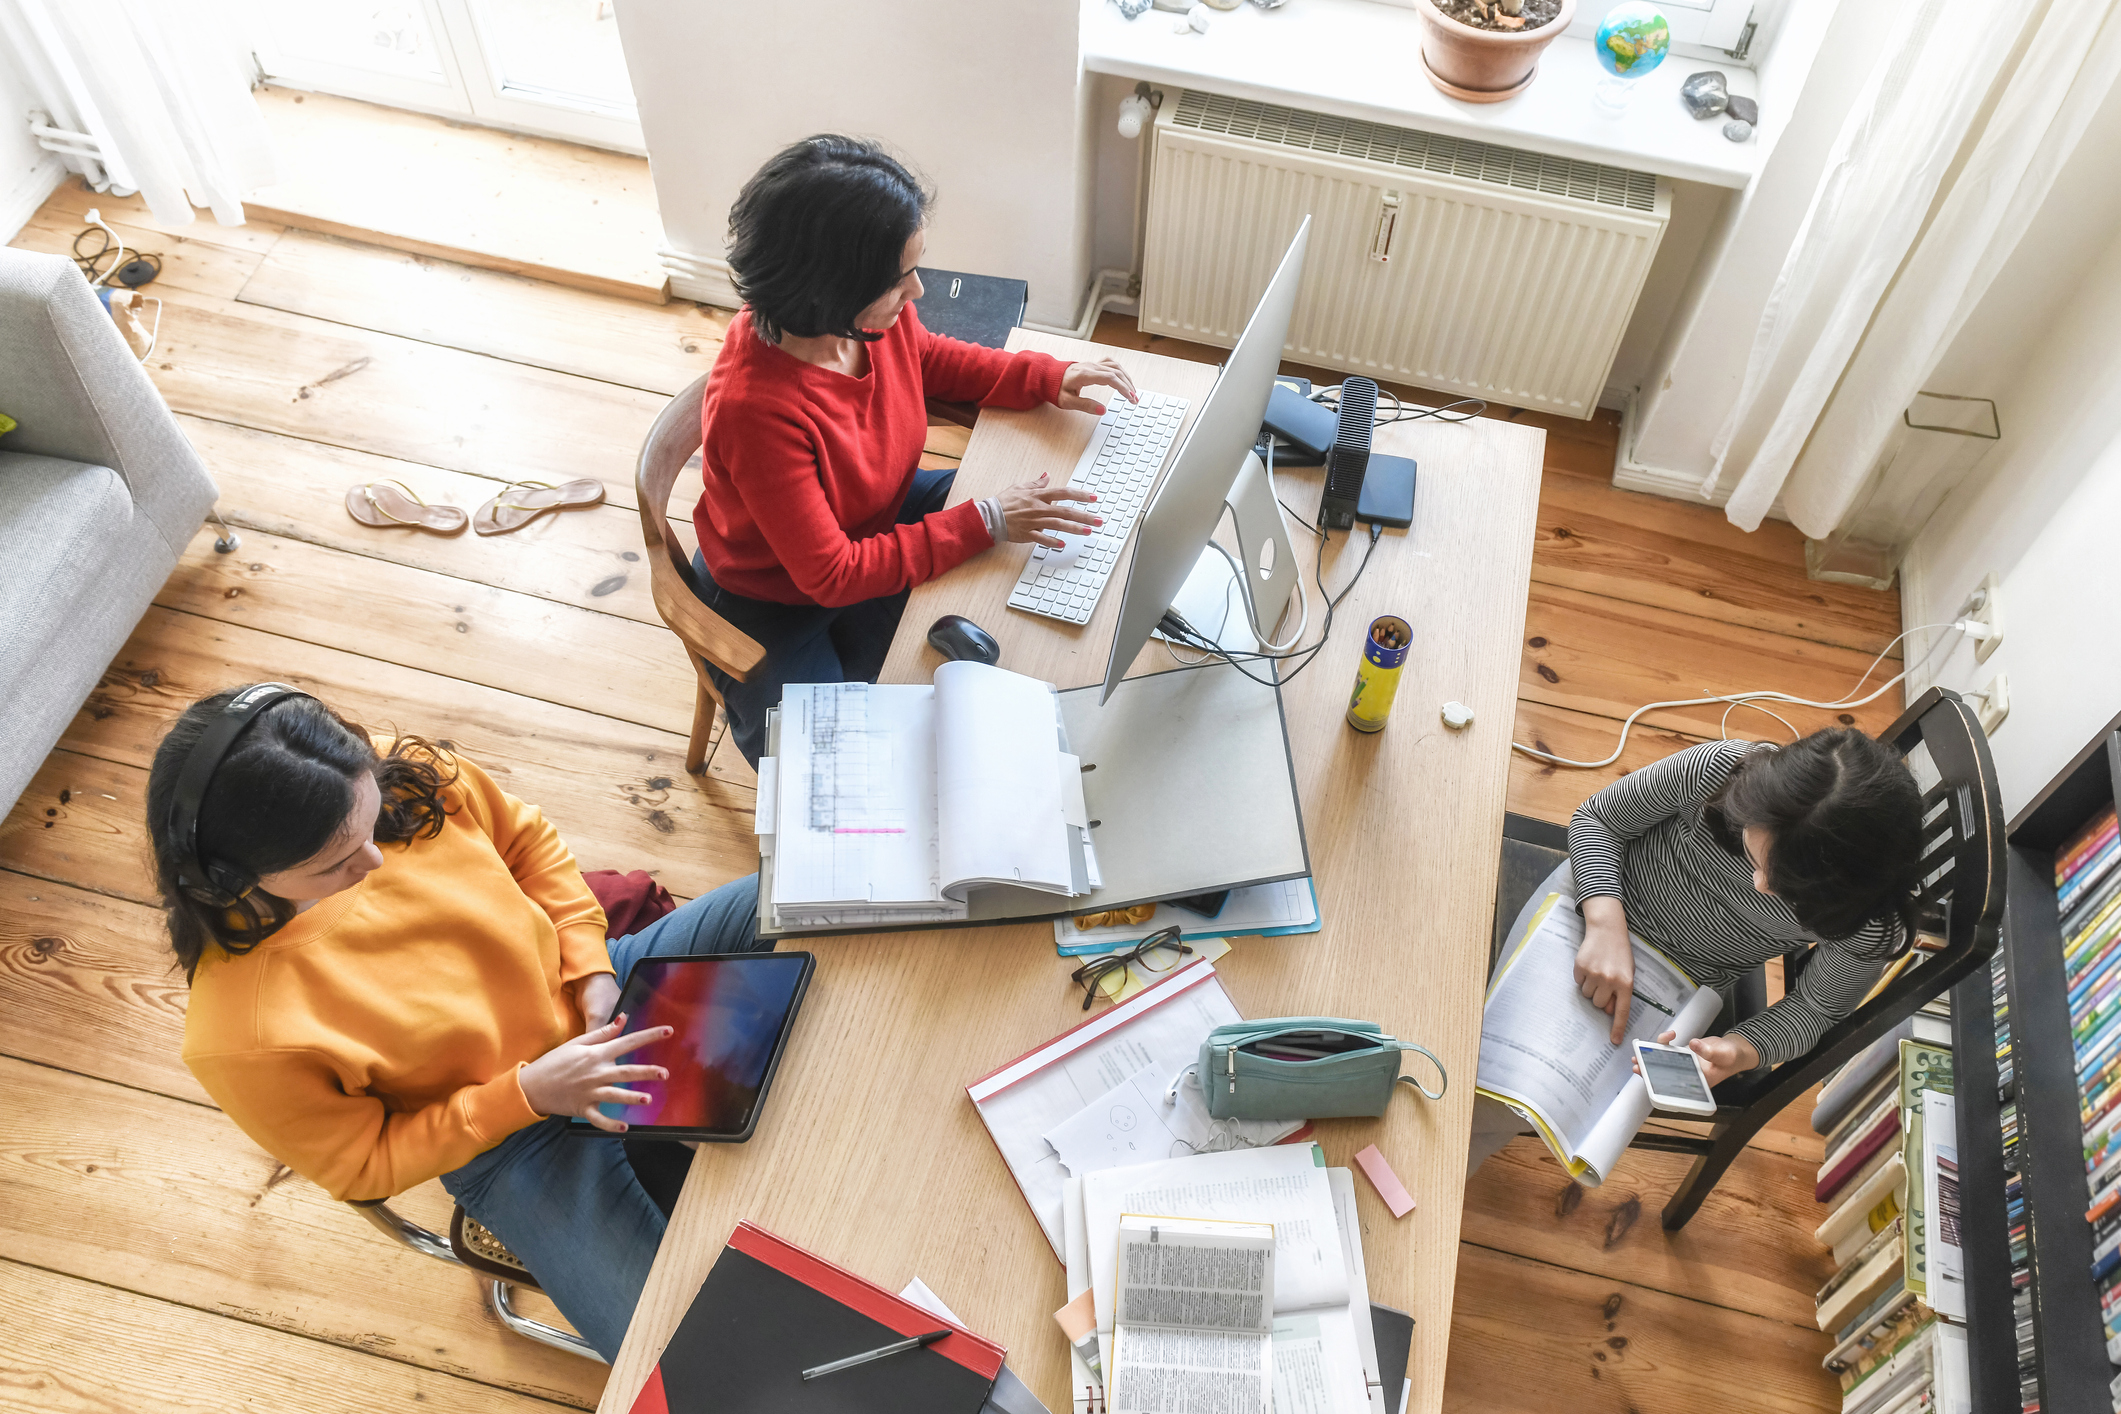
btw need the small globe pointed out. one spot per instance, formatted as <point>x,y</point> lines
<point>1632,40</point>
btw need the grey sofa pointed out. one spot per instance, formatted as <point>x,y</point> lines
<point>99,494</point>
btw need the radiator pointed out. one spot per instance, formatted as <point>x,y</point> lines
<point>1460,266</point>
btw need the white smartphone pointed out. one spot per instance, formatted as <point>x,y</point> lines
<point>1675,1077</point>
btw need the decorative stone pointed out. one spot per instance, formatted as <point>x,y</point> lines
<point>1131,8</point>
<point>1176,7</point>
<point>1224,4</point>
<point>1705,94</point>
<point>1745,110</point>
<point>1197,19</point>
<point>1737,130</point>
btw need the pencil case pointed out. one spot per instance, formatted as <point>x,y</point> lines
<point>1304,1067</point>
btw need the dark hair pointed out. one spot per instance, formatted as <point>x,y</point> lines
<point>277,799</point>
<point>1846,821</point>
<point>817,234</point>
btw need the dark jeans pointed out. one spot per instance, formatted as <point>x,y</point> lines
<point>809,642</point>
<point>583,1212</point>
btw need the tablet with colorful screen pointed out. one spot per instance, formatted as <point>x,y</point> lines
<point>730,1015</point>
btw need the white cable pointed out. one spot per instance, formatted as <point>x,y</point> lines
<point>1747,699</point>
<point>95,218</point>
<point>1266,644</point>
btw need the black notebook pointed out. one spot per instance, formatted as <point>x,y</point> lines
<point>769,1310</point>
<point>980,309</point>
<point>1395,1345</point>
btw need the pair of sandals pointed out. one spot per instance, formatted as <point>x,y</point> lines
<point>389,505</point>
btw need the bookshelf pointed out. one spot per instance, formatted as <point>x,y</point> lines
<point>2067,1361</point>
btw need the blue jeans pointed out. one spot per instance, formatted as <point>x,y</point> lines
<point>569,1206</point>
<point>809,642</point>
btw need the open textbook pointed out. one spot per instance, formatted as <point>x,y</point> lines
<point>891,805</point>
<point>1194,1326</point>
<point>1547,1053</point>
<point>1321,1362</point>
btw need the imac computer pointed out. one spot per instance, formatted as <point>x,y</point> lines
<point>1176,528</point>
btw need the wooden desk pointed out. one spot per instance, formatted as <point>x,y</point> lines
<point>870,1154</point>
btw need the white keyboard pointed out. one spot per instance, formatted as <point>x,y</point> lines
<point>1120,466</point>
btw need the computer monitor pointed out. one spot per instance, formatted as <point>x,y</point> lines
<point>1189,503</point>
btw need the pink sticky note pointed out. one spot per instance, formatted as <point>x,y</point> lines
<point>1386,1182</point>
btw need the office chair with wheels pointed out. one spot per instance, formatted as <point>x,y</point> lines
<point>472,1246</point>
<point>1960,908</point>
<point>706,635</point>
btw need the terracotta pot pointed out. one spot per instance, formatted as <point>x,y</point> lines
<point>1481,65</point>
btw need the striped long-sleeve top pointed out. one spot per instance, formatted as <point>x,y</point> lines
<point>1644,841</point>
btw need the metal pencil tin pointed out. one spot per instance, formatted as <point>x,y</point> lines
<point>1384,654</point>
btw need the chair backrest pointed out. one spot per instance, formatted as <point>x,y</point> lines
<point>1960,899</point>
<point>669,445</point>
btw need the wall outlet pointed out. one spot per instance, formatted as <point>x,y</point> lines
<point>1986,604</point>
<point>1994,704</point>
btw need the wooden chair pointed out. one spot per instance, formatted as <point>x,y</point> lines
<point>1961,904</point>
<point>471,1246</point>
<point>706,635</point>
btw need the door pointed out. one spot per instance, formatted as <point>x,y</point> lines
<point>549,67</point>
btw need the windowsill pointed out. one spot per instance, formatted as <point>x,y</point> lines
<point>1361,59</point>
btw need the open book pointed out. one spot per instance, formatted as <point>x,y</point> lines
<point>1194,1328</point>
<point>891,805</point>
<point>1547,1053</point>
<point>1320,1362</point>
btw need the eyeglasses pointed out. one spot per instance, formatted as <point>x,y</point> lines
<point>1159,952</point>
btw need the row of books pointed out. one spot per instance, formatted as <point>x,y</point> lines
<point>2025,1333</point>
<point>2088,897</point>
<point>1896,1303</point>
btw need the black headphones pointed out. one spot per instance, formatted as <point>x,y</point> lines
<point>209,881</point>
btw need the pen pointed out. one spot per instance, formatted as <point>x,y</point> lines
<point>912,1343</point>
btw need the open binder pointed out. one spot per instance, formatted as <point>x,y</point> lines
<point>1186,784</point>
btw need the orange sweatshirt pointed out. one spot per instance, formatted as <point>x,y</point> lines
<point>373,1042</point>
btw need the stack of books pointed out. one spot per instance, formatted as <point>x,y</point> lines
<point>2088,896</point>
<point>1895,1304</point>
<point>2027,1337</point>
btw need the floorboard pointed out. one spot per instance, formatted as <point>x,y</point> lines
<point>1532,1337</point>
<point>69,1346</point>
<point>94,1178</point>
<point>573,215</point>
<point>657,347</point>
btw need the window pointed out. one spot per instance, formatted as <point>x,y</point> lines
<point>550,67</point>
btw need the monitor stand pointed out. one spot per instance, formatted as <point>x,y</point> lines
<point>1263,547</point>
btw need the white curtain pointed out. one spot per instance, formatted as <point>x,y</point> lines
<point>1870,296</point>
<point>148,96</point>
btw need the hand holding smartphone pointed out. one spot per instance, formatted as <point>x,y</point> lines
<point>1675,1077</point>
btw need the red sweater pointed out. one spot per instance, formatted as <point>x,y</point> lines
<point>805,468</point>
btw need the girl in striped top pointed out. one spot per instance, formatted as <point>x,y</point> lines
<point>1730,853</point>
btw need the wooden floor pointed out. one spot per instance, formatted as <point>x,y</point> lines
<point>152,1259</point>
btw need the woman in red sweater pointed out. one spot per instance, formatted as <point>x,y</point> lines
<point>816,521</point>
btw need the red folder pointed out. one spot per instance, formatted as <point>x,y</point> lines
<point>769,1310</point>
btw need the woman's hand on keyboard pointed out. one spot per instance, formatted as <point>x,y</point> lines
<point>1036,512</point>
<point>1104,373</point>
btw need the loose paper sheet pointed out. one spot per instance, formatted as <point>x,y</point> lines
<point>1544,1049</point>
<point>1132,1124</point>
<point>855,822</point>
<point>1163,1034</point>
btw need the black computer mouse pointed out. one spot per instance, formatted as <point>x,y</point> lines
<point>958,638</point>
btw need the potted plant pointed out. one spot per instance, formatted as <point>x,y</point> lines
<point>1483,51</point>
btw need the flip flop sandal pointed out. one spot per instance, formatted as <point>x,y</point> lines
<point>522,502</point>
<point>391,504</point>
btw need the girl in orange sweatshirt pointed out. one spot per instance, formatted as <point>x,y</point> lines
<point>397,973</point>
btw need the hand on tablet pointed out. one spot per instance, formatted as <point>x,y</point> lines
<point>576,1076</point>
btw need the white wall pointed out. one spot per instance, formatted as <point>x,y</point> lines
<point>27,172</point>
<point>2042,510</point>
<point>981,98</point>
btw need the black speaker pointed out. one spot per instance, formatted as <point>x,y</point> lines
<point>1349,457</point>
